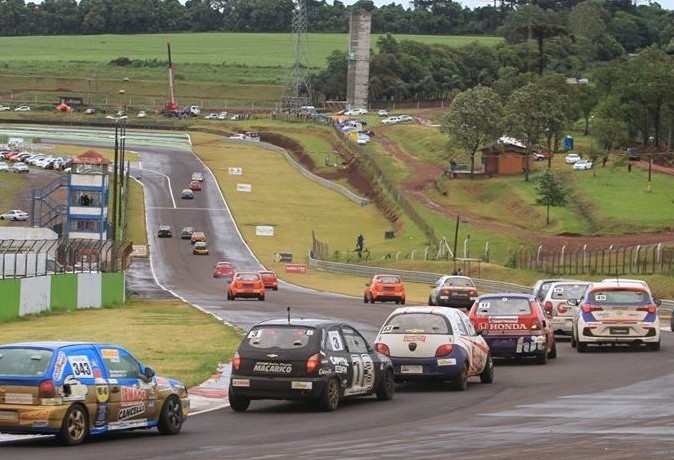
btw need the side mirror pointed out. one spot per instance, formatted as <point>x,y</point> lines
<point>367,284</point>
<point>149,372</point>
<point>658,302</point>
<point>573,302</point>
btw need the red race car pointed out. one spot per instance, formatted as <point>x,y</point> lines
<point>195,185</point>
<point>224,270</point>
<point>270,280</point>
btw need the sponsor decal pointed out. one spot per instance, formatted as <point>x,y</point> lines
<point>447,362</point>
<point>81,367</point>
<point>102,415</point>
<point>60,365</point>
<point>34,416</point>
<point>131,411</point>
<point>502,326</point>
<point>132,395</point>
<point>275,368</point>
<point>296,268</point>
<point>162,382</point>
<point>300,385</point>
<point>233,171</point>
<point>264,230</point>
<point>244,188</point>
<point>127,424</point>
<point>102,392</point>
<point>241,383</point>
<point>414,338</point>
<point>339,360</point>
<point>110,354</point>
<point>73,389</point>
<point>98,374</point>
<point>341,369</point>
<point>18,398</point>
<point>532,344</point>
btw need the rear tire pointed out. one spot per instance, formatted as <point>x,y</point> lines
<point>654,346</point>
<point>553,351</point>
<point>542,358</point>
<point>461,381</point>
<point>487,374</point>
<point>75,426</point>
<point>238,403</point>
<point>365,299</point>
<point>430,301</point>
<point>402,302</point>
<point>171,417</point>
<point>386,387</point>
<point>581,347</point>
<point>329,400</point>
<point>260,298</point>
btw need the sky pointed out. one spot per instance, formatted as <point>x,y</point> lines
<point>665,4</point>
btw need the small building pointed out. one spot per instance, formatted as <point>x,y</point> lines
<point>505,158</point>
<point>88,186</point>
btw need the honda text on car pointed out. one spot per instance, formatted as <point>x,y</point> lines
<point>315,360</point>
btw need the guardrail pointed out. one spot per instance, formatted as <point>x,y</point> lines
<point>430,277</point>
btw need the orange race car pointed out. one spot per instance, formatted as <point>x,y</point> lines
<point>246,285</point>
<point>385,288</point>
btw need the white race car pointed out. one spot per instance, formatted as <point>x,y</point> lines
<point>616,314</point>
<point>434,343</point>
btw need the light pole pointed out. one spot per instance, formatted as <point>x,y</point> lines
<point>650,167</point>
<point>115,173</point>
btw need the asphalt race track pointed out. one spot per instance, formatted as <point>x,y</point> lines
<point>605,404</point>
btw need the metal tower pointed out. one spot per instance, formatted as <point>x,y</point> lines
<point>297,91</point>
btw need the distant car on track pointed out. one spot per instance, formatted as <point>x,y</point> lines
<point>200,248</point>
<point>198,176</point>
<point>246,285</point>
<point>186,233</point>
<point>224,270</point>
<point>453,291</point>
<point>385,288</point>
<point>165,231</point>
<point>195,185</point>
<point>269,279</point>
<point>197,236</point>
<point>187,194</point>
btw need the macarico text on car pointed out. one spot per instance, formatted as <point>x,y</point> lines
<point>385,288</point>
<point>14,214</point>
<point>317,360</point>
<point>246,285</point>
<point>561,301</point>
<point>514,326</point>
<point>617,314</point>
<point>434,343</point>
<point>453,291</point>
<point>76,389</point>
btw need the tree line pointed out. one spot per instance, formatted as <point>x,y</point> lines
<point>628,23</point>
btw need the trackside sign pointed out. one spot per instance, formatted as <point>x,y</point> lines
<point>296,268</point>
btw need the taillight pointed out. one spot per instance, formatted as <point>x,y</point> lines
<point>652,309</point>
<point>587,308</point>
<point>236,361</point>
<point>313,362</point>
<point>444,350</point>
<point>473,294</point>
<point>548,305</point>
<point>382,348</point>
<point>446,292</point>
<point>46,389</point>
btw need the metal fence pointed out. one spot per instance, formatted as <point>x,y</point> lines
<point>28,258</point>
<point>635,260</point>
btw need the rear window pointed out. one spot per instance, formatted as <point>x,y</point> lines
<point>503,306</point>
<point>568,291</point>
<point>619,298</point>
<point>282,337</point>
<point>248,277</point>
<point>24,362</point>
<point>459,282</point>
<point>417,323</point>
<point>387,279</point>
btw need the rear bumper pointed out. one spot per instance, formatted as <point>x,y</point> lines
<point>563,324</point>
<point>619,333</point>
<point>516,346</point>
<point>445,368</point>
<point>280,388</point>
<point>248,294</point>
<point>30,419</point>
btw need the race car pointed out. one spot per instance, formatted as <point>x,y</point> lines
<point>270,280</point>
<point>200,248</point>
<point>77,389</point>
<point>385,288</point>
<point>561,300</point>
<point>453,291</point>
<point>617,314</point>
<point>316,360</point>
<point>246,285</point>
<point>224,270</point>
<point>434,343</point>
<point>514,326</point>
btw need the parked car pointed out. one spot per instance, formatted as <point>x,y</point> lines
<point>383,113</point>
<point>246,285</point>
<point>633,154</point>
<point>391,120</point>
<point>14,214</point>
<point>571,158</point>
<point>385,288</point>
<point>211,116</point>
<point>315,360</point>
<point>20,168</point>
<point>164,231</point>
<point>22,108</point>
<point>514,326</point>
<point>541,155</point>
<point>582,165</point>
<point>404,118</point>
<point>4,108</point>
<point>453,291</point>
<point>356,112</point>
<point>90,111</point>
<point>616,314</point>
<point>434,344</point>
<point>4,166</point>
<point>142,114</point>
<point>79,389</point>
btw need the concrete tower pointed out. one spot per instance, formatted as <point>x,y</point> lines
<point>358,76</point>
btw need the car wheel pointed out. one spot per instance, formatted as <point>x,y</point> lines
<point>574,342</point>
<point>461,382</point>
<point>402,302</point>
<point>75,426</point>
<point>581,347</point>
<point>365,299</point>
<point>397,302</point>
<point>552,354</point>
<point>238,403</point>
<point>2,217</point>
<point>261,298</point>
<point>329,400</point>
<point>171,417</point>
<point>386,386</point>
<point>274,288</point>
<point>230,296</point>
<point>654,346</point>
<point>430,301</point>
<point>542,357</point>
<point>371,299</point>
<point>487,374</point>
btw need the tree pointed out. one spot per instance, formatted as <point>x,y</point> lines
<point>474,120</point>
<point>550,193</point>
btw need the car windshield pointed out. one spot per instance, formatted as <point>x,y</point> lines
<point>503,306</point>
<point>417,323</point>
<point>387,279</point>
<point>619,297</point>
<point>284,337</point>
<point>568,291</point>
<point>24,362</point>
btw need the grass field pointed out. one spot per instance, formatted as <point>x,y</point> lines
<point>173,338</point>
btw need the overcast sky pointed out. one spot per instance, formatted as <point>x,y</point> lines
<point>666,4</point>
